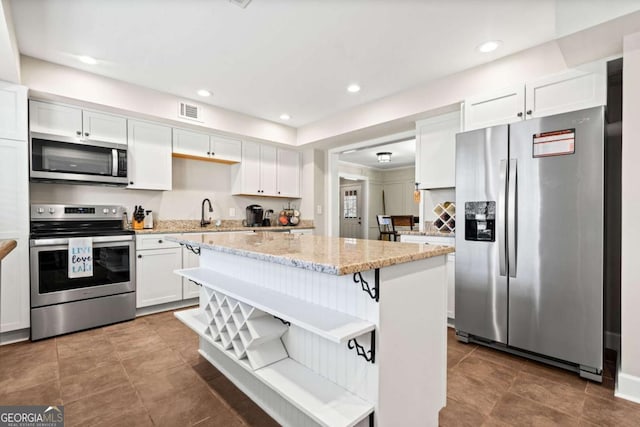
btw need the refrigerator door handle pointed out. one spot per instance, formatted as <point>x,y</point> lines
<point>512,217</point>
<point>501,211</point>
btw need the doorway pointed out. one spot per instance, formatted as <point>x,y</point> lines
<point>351,209</point>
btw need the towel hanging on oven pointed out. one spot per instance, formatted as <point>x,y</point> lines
<point>80,257</point>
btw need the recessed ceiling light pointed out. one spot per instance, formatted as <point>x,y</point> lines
<point>87,60</point>
<point>353,88</point>
<point>489,46</point>
<point>285,116</point>
<point>204,92</point>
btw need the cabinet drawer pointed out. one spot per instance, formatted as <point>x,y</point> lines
<point>155,241</point>
<point>438,240</point>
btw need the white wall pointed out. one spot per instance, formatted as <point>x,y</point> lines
<point>52,79</point>
<point>10,63</point>
<point>629,375</point>
<point>192,182</point>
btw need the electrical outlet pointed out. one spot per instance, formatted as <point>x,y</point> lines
<point>319,209</point>
<point>232,212</point>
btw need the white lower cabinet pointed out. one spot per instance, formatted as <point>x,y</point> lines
<point>156,260</point>
<point>14,293</point>
<point>451,265</point>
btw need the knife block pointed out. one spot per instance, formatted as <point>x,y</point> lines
<point>137,225</point>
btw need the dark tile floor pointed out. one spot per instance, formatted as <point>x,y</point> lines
<point>148,372</point>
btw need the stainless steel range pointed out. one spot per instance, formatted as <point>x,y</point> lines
<point>65,300</point>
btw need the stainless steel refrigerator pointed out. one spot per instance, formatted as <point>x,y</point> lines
<point>529,239</point>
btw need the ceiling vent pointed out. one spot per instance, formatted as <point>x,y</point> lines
<point>242,3</point>
<point>188,111</point>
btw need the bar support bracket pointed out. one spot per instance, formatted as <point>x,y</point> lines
<point>373,293</point>
<point>368,355</point>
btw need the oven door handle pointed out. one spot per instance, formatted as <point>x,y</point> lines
<point>98,239</point>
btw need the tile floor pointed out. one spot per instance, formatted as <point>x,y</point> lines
<point>148,372</point>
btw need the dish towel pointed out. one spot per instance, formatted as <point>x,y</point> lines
<point>80,257</point>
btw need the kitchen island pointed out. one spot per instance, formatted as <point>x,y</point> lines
<point>324,331</point>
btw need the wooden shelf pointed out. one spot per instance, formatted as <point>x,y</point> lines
<point>330,324</point>
<point>325,402</point>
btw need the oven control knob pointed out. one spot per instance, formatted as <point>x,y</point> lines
<point>40,210</point>
<point>114,211</point>
<point>52,211</point>
<point>105,211</point>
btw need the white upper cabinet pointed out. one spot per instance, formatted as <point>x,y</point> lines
<point>436,151</point>
<point>225,149</point>
<point>149,156</point>
<point>572,90</point>
<point>266,171</point>
<point>104,127</point>
<point>288,173</point>
<point>200,146</point>
<point>495,108</point>
<point>13,111</point>
<point>569,91</point>
<point>55,119</point>
<point>73,122</point>
<point>191,144</point>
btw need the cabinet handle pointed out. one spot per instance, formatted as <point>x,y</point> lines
<point>160,241</point>
<point>278,192</point>
<point>213,154</point>
<point>520,114</point>
<point>208,153</point>
<point>86,134</point>
<point>78,133</point>
<point>130,182</point>
<point>139,256</point>
<point>529,112</point>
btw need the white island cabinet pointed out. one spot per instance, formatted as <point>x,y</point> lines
<point>324,331</point>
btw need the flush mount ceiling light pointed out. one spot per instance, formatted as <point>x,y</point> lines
<point>285,116</point>
<point>384,157</point>
<point>204,92</point>
<point>489,46</point>
<point>353,88</point>
<point>87,60</point>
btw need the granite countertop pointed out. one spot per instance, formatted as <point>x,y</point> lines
<point>331,255</point>
<point>6,246</point>
<point>193,226</point>
<point>426,233</point>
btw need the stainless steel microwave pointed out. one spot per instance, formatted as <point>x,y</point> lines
<point>58,158</point>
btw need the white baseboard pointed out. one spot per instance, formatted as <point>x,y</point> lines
<point>612,340</point>
<point>144,311</point>
<point>628,387</point>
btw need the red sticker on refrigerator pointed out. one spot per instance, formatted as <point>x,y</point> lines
<point>556,143</point>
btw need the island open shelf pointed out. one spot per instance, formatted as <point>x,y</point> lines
<point>365,341</point>
<point>330,324</point>
<point>296,383</point>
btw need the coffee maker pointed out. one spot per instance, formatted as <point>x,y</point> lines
<point>254,216</point>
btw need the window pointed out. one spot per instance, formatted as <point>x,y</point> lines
<point>350,209</point>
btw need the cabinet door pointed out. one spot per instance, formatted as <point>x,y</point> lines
<point>156,283</point>
<point>55,119</point>
<point>191,144</point>
<point>229,150</point>
<point>250,169</point>
<point>149,156</point>
<point>288,173</point>
<point>268,170</point>
<point>436,151</point>
<point>495,108</point>
<point>13,111</point>
<point>569,91</point>
<point>189,260</point>
<point>14,186</point>
<point>451,286</point>
<point>104,127</point>
<point>14,290</point>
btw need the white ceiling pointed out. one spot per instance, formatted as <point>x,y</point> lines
<point>403,153</point>
<point>293,56</point>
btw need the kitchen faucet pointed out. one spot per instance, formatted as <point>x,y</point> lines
<point>203,222</point>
